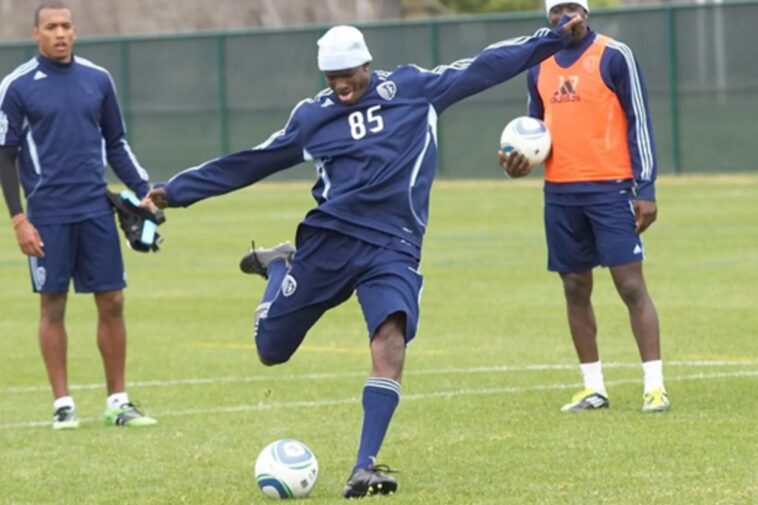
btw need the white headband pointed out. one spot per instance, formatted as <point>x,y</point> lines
<point>341,48</point>
<point>549,4</point>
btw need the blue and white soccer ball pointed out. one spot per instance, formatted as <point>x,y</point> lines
<point>529,136</point>
<point>286,469</point>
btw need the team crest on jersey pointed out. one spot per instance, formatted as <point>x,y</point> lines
<point>591,63</point>
<point>41,276</point>
<point>387,90</point>
<point>289,285</point>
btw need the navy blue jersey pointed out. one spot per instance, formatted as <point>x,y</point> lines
<point>66,122</point>
<point>621,74</point>
<point>375,159</point>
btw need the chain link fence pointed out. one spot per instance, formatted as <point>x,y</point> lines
<point>187,99</point>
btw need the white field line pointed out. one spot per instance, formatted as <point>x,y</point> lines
<point>233,409</point>
<point>347,375</point>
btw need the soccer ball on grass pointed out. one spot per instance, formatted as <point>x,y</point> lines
<point>286,469</point>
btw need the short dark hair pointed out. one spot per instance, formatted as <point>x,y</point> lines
<point>48,5</point>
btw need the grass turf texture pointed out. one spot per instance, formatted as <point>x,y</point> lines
<point>479,420</point>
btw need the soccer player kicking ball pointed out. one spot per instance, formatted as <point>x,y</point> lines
<point>599,192</point>
<point>372,137</point>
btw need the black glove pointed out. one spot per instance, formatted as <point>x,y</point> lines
<point>138,223</point>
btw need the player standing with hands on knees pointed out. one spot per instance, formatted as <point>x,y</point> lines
<point>372,137</point>
<point>599,192</point>
<point>59,120</point>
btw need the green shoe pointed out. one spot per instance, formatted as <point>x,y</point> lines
<point>65,419</point>
<point>127,415</point>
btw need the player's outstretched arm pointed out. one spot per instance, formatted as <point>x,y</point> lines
<point>233,171</point>
<point>448,84</point>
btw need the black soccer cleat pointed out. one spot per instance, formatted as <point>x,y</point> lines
<point>257,259</point>
<point>369,482</point>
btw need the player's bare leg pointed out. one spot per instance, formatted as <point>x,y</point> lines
<point>388,348</point>
<point>577,288</point>
<point>381,395</point>
<point>111,338</point>
<point>53,343</point>
<point>53,340</point>
<point>630,284</point>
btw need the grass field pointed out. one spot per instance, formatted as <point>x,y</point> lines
<point>478,422</point>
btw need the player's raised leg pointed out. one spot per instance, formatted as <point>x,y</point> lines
<point>271,263</point>
<point>301,287</point>
<point>258,259</point>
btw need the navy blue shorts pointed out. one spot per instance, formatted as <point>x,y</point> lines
<point>581,237</point>
<point>87,251</point>
<point>326,269</point>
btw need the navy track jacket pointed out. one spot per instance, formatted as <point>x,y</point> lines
<point>375,159</point>
<point>67,125</point>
